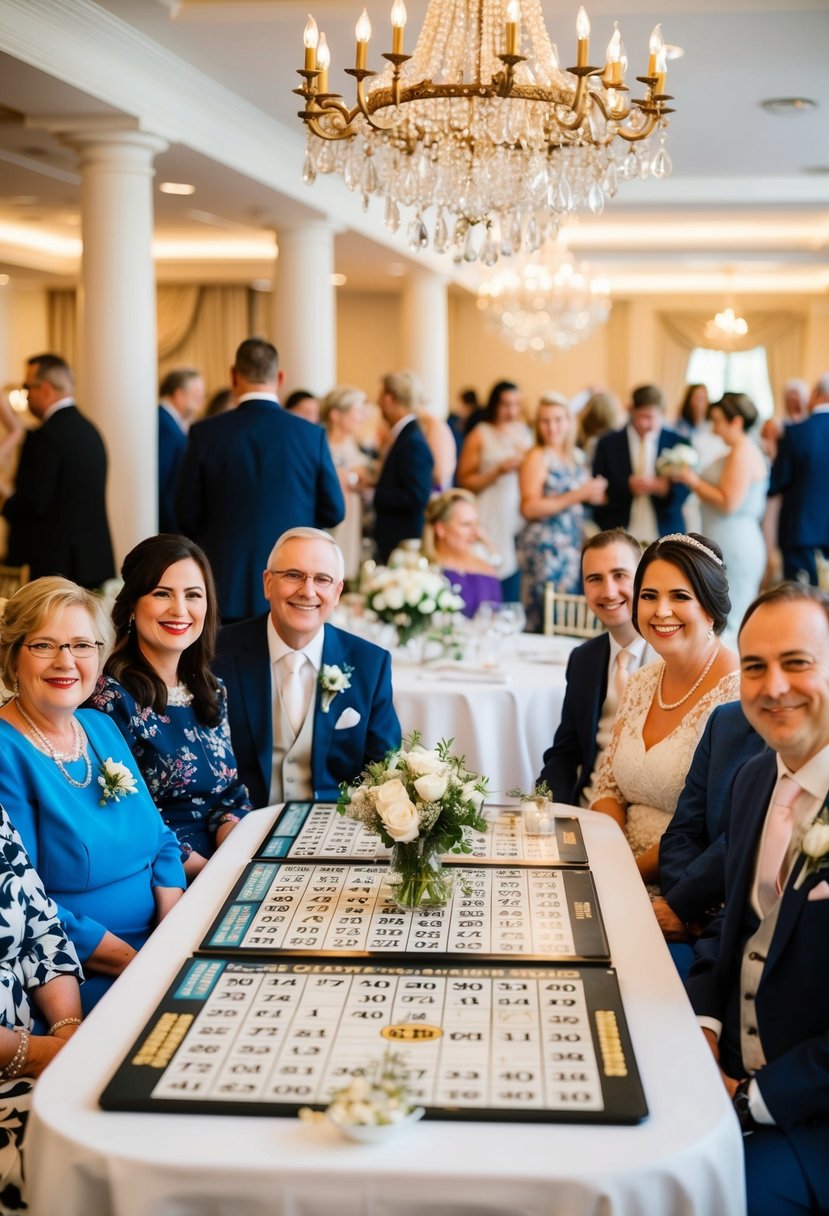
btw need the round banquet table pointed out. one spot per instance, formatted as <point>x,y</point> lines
<point>502,719</point>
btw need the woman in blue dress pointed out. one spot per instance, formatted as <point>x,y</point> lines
<point>554,489</point>
<point>165,700</point>
<point>71,787</point>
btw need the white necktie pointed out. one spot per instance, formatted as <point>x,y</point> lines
<point>293,689</point>
<point>620,674</point>
<point>777,838</point>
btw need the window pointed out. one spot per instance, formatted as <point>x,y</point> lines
<point>743,371</point>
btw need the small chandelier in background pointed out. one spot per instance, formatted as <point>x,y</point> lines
<point>544,302</point>
<point>725,327</point>
<point>482,124</point>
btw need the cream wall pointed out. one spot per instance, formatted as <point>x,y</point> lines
<point>368,337</point>
<point>25,329</point>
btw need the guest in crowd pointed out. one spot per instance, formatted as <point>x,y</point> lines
<point>405,480</point>
<point>250,473</point>
<point>310,705</point>
<point>598,416</point>
<point>451,536</point>
<point>799,476</point>
<point>72,788</point>
<point>466,404</point>
<point>490,459</point>
<point>303,404</point>
<point>555,486</point>
<point>732,496</point>
<point>758,986</point>
<point>795,409</point>
<point>637,498</point>
<point>57,514</point>
<point>694,424</point>
<point>343,413</point>
<point>39,975</point>
<point>680,607</point>
<point>441,441</point>
<point>598,670</point>
<point>219,403</point>
<point>181,395</point>
<point>692,850</point>
<point>165,700</point>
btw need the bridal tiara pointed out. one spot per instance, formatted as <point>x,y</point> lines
<point>684,539</point>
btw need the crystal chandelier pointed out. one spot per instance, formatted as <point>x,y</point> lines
<point>483,126</point>
<point>544,302</point>
<point>726,326</point>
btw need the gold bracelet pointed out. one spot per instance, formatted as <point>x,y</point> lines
<point>64,1022</point>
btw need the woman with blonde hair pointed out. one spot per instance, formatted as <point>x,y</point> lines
<point>450,535</point>
<point>343,413</point>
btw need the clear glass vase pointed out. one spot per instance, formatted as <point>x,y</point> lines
<point>418,878</point>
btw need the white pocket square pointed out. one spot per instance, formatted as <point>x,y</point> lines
<point>349,717</point>
<point>821,891</point>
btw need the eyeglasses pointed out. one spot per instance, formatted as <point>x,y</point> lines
<point>48,650</point>
<point>297,578</point>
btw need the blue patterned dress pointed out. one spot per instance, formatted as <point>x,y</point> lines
<point>549,550</point>
<point>190,768</point>
<point>33,950</point>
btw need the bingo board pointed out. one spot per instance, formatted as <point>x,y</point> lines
<point>315,831</point>
<point>504,1043</point>
<point>340,909</point>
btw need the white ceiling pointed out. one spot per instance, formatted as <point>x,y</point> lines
<point>747,206</point>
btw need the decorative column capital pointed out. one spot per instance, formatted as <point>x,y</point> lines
<point>104,139</point>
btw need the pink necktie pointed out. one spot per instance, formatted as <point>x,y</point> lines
<point>776,840</point>
<point>620,674</point>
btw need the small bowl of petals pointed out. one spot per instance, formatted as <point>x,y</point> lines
<point>374,1105</point>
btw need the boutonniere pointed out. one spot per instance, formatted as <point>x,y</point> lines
<point>333,679</point>
<point>815,848</point>
<point>116,781</point>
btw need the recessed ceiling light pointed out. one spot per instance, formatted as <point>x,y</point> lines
<point>788,105</point>
<point>339,280</point>
<point>176,188</point>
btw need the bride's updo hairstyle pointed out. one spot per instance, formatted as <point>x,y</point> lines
<point>701,561</point>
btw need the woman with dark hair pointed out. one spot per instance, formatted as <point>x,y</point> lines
<point>165,700</point>
<point>490,459</point>
<point>732,495</point>
<point>680,607</point>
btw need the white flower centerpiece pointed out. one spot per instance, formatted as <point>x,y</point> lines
<point>680,456</point>
<point>418,801</point>
<point>408,598</point>
<point>375,1102</point>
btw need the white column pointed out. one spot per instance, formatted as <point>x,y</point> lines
<point>117,319</point>
<point>8,373</point>
<point>305,321</point>
<point>425,345</point>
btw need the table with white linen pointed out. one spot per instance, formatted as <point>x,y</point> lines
<point>685,1159</point>
<point>502,719</point>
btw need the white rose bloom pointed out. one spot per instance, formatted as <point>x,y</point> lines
<point>816,840</point>
<point>394,598</point>
<point>427,606</point>
<point>421,761</point>
<point>379,603</point>
<point>431,786</point>
<point>400,817</point>
<point>390,791</point>
<point>470,794</point>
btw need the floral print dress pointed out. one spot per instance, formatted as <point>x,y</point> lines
<point>190,768</point>
<point>549,550</point>
<point>33,950</point>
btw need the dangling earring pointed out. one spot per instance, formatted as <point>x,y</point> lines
<point>710,633</point>
<point>16,686</point>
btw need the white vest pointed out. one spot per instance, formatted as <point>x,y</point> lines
<point>291,771</point>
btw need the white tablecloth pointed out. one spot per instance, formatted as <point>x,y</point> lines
<point>684,1160</point>
<point>502,725</point>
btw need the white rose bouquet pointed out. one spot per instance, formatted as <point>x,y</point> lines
<point>418,801</point>
<point>680,456</point>
<point>409,598</point>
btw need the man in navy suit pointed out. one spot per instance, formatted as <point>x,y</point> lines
<point>608,565</point>
<point>181,399</point>
<point>799,474</point>
<point>759,983</point>
<point>249,474</point>
<point>405,480</point>
<point>637,498</point>
<point>293,735</point>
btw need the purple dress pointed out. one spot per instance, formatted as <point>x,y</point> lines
<point>475,588</point>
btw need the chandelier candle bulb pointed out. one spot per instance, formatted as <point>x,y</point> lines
<point>363,32</point>
<point>398,25</point>
<point>661,71</point>
<point>513,13</point>
<point>324,62</point>
<point>655,45</point>
<point>311,37</point>
<point>583,32</point>
<point>613,65</point>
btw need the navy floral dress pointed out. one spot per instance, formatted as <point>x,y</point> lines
<point>190,768</point>
<point>549,550</point>
<point>33,950</point>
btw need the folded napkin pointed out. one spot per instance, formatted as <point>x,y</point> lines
<point>466,675</point>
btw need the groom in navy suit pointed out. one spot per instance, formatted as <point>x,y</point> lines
<point>799,474</point>
<point>759,986</point>
<point>309,704</point>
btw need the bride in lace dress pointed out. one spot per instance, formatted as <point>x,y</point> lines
<point>680,606</point>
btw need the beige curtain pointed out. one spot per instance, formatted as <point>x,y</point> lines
<point>62,323</point>
<point>221,321</point>
<point>175,311</point>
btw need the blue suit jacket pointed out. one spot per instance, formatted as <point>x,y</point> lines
<point>403,490</point>
<point>692,850</point>
<point>246,477</point>
<point>792,998</point>
<point>799,474</point>
<point>612,460</point>
<point>243,662</point>
<point>172,442</point>
<point>571,759</point>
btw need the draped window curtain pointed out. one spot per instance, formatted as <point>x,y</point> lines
<point>781,333</point>
<point>197,327</point>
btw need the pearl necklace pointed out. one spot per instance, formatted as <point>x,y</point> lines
<point>676,704</point>
<point>79,751</point>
